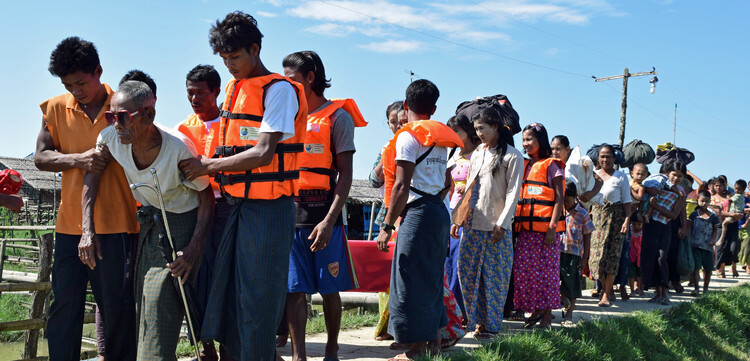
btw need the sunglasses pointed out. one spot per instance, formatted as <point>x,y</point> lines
<point>123,117</point>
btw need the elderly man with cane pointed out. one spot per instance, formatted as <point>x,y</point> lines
<point>139,145</point>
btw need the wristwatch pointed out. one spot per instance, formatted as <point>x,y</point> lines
<point>388,227</point>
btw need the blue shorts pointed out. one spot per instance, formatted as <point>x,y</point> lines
<point>326,271</point>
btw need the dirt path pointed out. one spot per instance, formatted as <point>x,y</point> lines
<point>359,344</point>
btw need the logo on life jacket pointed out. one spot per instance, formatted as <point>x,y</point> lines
<point>333,268</point>
<point>534,191</point>
<point>314,148</point>
<point>249,133</point>
<point>312,127</point>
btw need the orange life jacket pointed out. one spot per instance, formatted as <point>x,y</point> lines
<point>537,200</point>
<point>317,170</point>
<point>241,117</point>
<point>429,133</point>
<point>205,142</point>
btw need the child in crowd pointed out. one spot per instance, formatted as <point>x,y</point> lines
<point>736,205</point>
<point>636,235</point>
<point>654,185</point>
<point>638,173</point>
<point>704,226</point>
<point>574,250</point>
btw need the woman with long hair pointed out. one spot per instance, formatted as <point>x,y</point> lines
<point>486,248</point>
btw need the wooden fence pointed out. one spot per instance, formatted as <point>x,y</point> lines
<point>37,283</point>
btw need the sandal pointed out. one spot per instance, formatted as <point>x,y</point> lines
<point>485,335</point>
<point>694,293</point>
<point>383,337</point>
<point>532,321</point>
<point>517,316</point>
<point>665,301</point>
<point>448,343</point>
<point>400,357</point>
<point>399,346</point>
<point>603,303</point>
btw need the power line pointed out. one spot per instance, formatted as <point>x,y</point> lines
<point>457,43</point>
<point>710,115</point>
<point>660,117</point>
<point>556,35</point>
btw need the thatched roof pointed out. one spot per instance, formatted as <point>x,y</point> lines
<point>33,177</point>
<point>362,193</point>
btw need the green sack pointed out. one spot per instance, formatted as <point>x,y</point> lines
<point>685,261</point>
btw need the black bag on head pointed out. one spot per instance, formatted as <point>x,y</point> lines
<point>498,102</point>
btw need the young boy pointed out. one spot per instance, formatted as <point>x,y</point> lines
<point>704,226</point>
<point>736,205</point>
<point>574,250</point>
<point>634,271</point>
<point>637,190</point>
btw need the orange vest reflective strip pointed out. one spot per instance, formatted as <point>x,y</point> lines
<point>317,170</point>
<point>239,128</point>
<point>428,133</point>
<point>537,200</point>
<point>205,142</point>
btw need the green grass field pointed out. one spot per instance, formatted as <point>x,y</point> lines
<point>714,327</point>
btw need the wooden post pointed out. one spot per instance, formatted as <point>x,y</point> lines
<point>625,77</point>
<point>37,306</point>
<point>2,259</point>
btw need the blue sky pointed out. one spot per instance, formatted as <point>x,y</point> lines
<point>541,53</point>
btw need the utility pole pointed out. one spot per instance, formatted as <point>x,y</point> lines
<point>674,135</point>
<point>624,78</point>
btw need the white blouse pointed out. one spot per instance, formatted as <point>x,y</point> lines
<point>616,188</point>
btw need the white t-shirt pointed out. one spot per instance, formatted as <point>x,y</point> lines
<point>615,189</point>
<point>281,110</point>
<point>180,195</point>
<point>429,175</point>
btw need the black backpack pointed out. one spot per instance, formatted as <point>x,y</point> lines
<point>498,102</point>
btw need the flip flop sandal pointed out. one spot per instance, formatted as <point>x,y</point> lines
<point>485,335</point>
<point>447,343</point>
<point>517,317</point>
<point>532,321</point>
<point>400,357</point>
<point>399,346</point>
<point>604,304</point>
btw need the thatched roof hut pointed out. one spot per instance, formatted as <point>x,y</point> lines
<point>362,193</point>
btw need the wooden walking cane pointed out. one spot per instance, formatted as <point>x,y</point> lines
<point>155,187</point>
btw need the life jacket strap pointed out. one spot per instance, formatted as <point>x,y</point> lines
<point>242,116</point>
<point>230,150</point>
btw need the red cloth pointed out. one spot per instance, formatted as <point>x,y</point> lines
<point>373,266</point>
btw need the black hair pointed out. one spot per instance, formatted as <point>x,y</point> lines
<point>545,150</point>
<point>674,165</point>
<point>205,73</point>
<point>741,183</point>
<point>462,122</point>
<point>636,217</point>
<point>704,193</point>
<point>724,178</point>
<point>571,190</point>
<point>504,138</point>
<point>689,178</point>
<point>397,106</point>
<point>139,75</point>
<point>237,31</point>
<point>608,146</point>
<point>305,62</point>
<point>562,139</point>
<point>71,55</point>
<point>421,96</point>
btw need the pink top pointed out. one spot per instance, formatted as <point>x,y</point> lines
<point>553,171</point>
<point>459,174</point>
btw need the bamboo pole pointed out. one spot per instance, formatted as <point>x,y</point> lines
<point>37,306</point>
<point>22,287</point>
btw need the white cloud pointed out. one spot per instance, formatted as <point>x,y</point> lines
<point>266,14</point>
<point>331,29</point>
<point>552,51</point>
<point>481,36</point>
<point>393,46</point>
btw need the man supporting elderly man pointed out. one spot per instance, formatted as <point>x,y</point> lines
<point>138,144</point>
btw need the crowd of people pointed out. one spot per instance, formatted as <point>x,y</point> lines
<point>253,190</point>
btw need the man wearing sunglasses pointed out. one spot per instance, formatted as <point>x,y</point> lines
<point>138,145</point>
<point>66,143</point>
